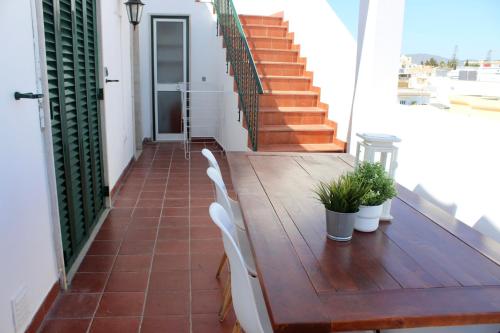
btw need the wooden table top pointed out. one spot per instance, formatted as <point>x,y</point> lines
<point>425,268</point>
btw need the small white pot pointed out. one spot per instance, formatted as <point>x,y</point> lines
<point>367,218</point>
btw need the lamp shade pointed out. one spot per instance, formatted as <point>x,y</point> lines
<point>134,11</point>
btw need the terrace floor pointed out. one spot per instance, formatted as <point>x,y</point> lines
<point>152,265</point>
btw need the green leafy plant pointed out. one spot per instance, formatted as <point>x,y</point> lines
<point>380,187</point>
<point>343,195</point>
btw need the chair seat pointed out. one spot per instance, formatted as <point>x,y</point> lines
<point>238,216</point>
<point>246,251</point>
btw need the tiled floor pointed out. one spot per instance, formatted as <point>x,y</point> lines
<point>152,266</point>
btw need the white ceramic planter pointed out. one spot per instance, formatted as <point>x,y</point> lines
<point>367,218</point>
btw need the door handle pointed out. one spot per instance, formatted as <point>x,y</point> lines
<point>30,95</point>
<point>108,80</point>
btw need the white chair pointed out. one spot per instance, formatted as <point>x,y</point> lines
<point>234,211</point>
<point>248,302</point>
<point>212,161</point>
<point>235,217</point>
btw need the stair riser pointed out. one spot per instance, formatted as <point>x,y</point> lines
<point>284,84</point>
<point>266,31</point>
<point>294,137</point>
<point>275,56</point>
<point>280,44</point>
<point>270,100</point>
<point>261,20</point>
<point>289,118</point>
<point>278,69</point>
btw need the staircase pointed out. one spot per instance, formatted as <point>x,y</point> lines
<point>291,115</point>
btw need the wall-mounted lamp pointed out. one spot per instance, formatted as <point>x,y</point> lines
<point>134,11</point>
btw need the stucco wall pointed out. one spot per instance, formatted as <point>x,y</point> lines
<point>26,241</point>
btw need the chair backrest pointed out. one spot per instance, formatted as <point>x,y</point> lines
<point>450,208</point>
<point>220,190</point>
<point>251,317</point>
<point>212,162</point>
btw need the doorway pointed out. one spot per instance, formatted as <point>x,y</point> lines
<point>170,38</point>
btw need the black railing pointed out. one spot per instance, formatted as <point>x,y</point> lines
<point>238,54</point>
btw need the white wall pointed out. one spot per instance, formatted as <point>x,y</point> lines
<point>327,44</point>
<point>207,59</point>
<point>118,115</point>
<point>379,39</point>
<point>26,238</point>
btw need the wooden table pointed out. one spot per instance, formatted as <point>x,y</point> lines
<point>424,268</point>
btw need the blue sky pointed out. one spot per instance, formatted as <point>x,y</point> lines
<point>436,26</point>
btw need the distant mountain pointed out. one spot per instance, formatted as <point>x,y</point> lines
<point>416,58</point>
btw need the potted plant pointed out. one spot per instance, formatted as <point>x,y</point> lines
<point>341,199</point>
<point>380,188</point>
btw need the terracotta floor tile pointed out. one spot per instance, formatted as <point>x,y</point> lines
<point>199,211</point>
<point>115,324</point>
<point>201,220</point>
<point>132,263</point>
<point>206,301</point>
<point>116,222</point>
<point>88,282</point>
<point>65,326</point>
<point>150,203</point>
<point>168,262</point>
<point>179,233</point>
<point>209,323</point>
<point>174,221</point>
<point>177,194</point>
<point>169,281</point>
<point>182,202</point>
<point>175,211</point>
<point>203,280</point>
<point>124,203</point>
<point>104,247</point>
<point>172,247</point>
<point>205,261</point>
<point>207,246</point>
<point>121,304</point>
<point>136,247</point>
<point>166,324</point>
<point>74,306</point>
<point>147,212</point>
<point>113,233</point>
<point>120,212</point>
<point>127,281</point>
<point>136,234</point>
<point>151,195</point>
<point>205,232</point>
<point>96,264</point>
<point>144,222</point>
<point>167,303</point>
<point>188,252</point>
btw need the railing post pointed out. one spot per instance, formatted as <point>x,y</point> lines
<point>239,57</point>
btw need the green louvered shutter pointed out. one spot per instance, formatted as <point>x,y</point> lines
<point>72,69</point>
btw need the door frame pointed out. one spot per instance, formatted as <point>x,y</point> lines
<point>186,19</point>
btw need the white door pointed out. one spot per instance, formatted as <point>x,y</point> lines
<point>170,67</point>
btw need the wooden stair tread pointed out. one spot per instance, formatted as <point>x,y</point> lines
<point>294,128</point>
<point>309,147</point>
<point>291,109</point>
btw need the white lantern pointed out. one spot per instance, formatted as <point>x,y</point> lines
<point>382,144</point>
